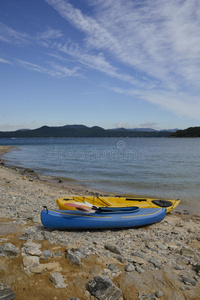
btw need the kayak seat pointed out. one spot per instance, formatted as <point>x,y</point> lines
<point>162,203</point>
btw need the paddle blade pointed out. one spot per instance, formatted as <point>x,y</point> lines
<point>79,205</point>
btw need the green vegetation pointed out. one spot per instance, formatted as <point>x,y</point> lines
<point>81,131</point>
<point>189,132</point>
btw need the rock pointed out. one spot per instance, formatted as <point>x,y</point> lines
<point>174,248</point>
<point>31,261</point>
<point>84,252</point>
<point>162,247</point>
<point>186,251</point>
<point>103,289</point>
<point>6,293</point>
<point>146,297</point>
<point>137,254</point>
<point>196,267</point>
<point>32,244</point>
<point>113,248</point>
<point>47,253</point>
<point>57,279</point>
<point>129,268</point>
<point>139,270</point>
<point>44,267</point>
<point>25,215</point>
<point>121,259</point>
<point>33,251</point>
<point>158,294</point>
<point>87,294</point>
<point>57,254</point>
<point>155,262</point>
<point>106,272</point>
<point>38,237</point>
<point>188,281</point>
<point>73,258</point>
<point>179,267</point>
<point>47,235</point>
<point>38,269</point>
<point>112,267</point>
<point>137,260</point>
<point>9,249</point>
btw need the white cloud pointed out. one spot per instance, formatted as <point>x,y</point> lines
<point>84,23</point>
<point>32,67</point>
<point>49,34</point>
<point>182,104</point>
<point>4,61</point>
<point>157,42</point>
<point>160,38</point>
<point>153,46</point>
<point>64,71</point>
<point>52,69</point>
<point>96,62</point>
<point>9,35</point>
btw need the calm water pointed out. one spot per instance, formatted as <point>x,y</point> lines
<point>157,167</point>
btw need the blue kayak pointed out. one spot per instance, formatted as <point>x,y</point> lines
<point>71,219</point>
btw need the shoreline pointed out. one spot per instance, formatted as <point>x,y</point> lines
<point>74,187</point>
<point>68,184</point>
<point>160,261</point>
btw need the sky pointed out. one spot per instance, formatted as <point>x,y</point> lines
<point>110,63</point>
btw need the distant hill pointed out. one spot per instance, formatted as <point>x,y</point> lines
<point>134,129</point>
<point>82,131</point>
<point>189,132</point>
<point>144,129</point>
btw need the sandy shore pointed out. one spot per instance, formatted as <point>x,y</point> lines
<point>158,261</point>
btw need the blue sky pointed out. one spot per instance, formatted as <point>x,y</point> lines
<point>113,63</point>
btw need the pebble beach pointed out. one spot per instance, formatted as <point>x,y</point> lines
<point>160,261</point>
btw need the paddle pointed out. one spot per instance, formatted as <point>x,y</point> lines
<point>87,208</point>
<point>80,205</point>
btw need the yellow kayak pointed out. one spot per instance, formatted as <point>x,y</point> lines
<point>117,202</point>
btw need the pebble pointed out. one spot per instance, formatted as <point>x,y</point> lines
<point>113,248</point>
<point>139,270</point>
<point>104,289</point>
<point>112,267</point>
<point>170,246</point>
<point>47,254</point>
<point>186,251</point>
<point>57,279</point>
<point>138,260</point>
<point>159,294</point>
<point>32,244</point>
<point>129,268</point>
<point>33,251</point>
<point>155,262</point>
<point>188,281</point>
<point>73,257</point>
<point>9,249</point>
<point>30,261</point>
<point>6,293</point>
<point>57,254</point>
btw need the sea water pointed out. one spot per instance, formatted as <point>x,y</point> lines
<point>156,167</point>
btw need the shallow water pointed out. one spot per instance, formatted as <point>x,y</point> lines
<point>160,167</point>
